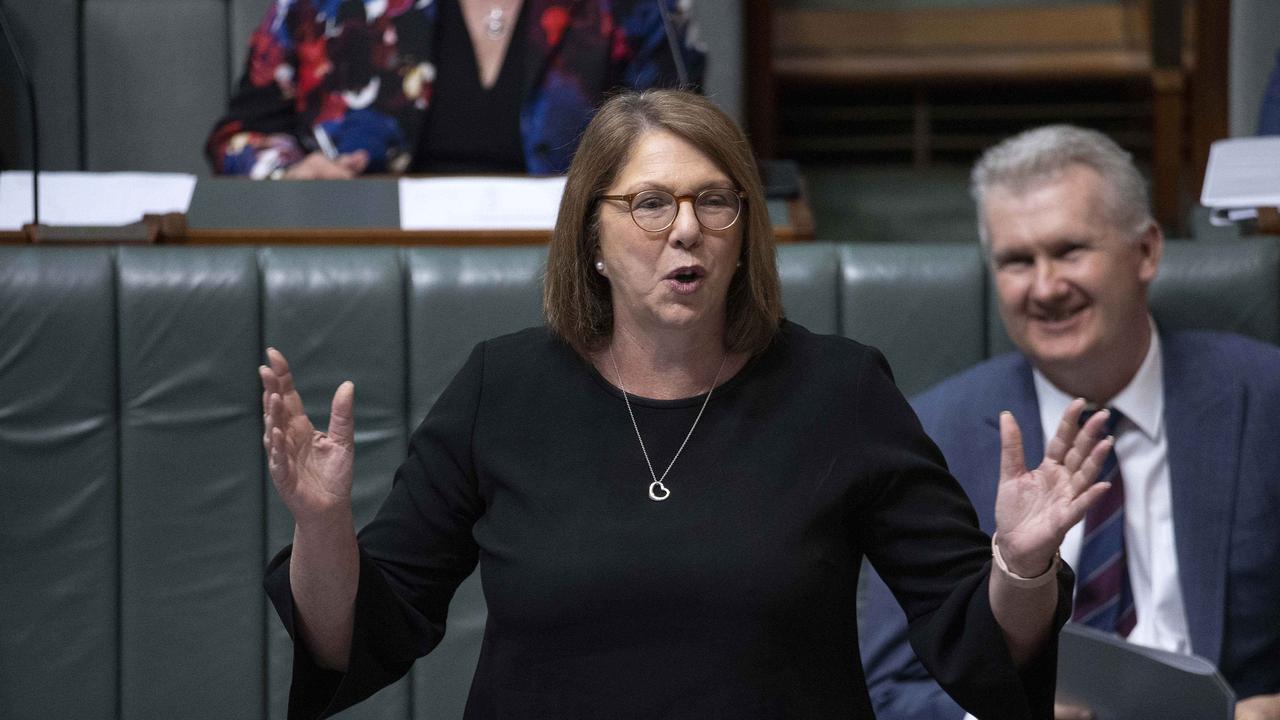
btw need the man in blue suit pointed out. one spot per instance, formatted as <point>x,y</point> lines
<point>1064,221</point>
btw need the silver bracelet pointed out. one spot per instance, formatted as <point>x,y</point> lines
<point>1017,580</point>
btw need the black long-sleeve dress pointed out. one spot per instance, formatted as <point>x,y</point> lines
<point>734,598</point>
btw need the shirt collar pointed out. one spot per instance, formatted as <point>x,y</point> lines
<point>1141,401</point>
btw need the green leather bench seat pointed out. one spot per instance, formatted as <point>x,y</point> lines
<point>135,511</point>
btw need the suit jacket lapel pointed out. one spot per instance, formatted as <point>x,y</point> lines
<point>1020,399</point>
<point>1026,410</point>
<point>1018,395</point>
<point>1204,422</point>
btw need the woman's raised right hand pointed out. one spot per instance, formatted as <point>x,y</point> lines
<point>311,470</point>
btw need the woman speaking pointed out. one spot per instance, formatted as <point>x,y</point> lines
<point>669,488</point>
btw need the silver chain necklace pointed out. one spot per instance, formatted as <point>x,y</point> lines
<point>658,491</point>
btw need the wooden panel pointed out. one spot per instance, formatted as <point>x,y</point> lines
<point>1210,21</point>
<point>762,99</point>
<point>59,485</point>
<point>990,65</point>
<point>1168,140</point>
<point>1095,25</point>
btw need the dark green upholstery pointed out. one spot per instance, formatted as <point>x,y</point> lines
<point>922,305</point>
<point>59,484</point>
<point>446,319</point>
<point>191,498</point>
<point>339,314</point>
<point>135,511</point>
<point>811,283</point>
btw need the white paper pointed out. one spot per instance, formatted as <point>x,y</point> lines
<point>1243,173</point>
<point>76,198</point>
<point>480,203</point>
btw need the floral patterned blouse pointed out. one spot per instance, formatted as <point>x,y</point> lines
<point>358,74</point>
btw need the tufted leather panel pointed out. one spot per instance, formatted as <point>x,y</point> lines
<point>135,514</point>
<point>445,318</point>
<point>810,276</point>
<point>191,490</point>
<point>339,314</point>
<point>920,304</point>
<point>59,483</point>
<point>445,323</point>
<point>1219,286</point>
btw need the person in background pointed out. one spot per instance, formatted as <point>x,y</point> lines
<point>336,88</point>
<point>661,528</point>
<point>1182,553</point>
<point>1269,113</point>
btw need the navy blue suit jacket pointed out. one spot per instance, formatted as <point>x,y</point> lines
<point>1222,414</point>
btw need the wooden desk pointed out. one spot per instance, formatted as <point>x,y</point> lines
<point>366,211</point>
<point>792,232</point>
<point>800,229</point>
<point>1269,221</point>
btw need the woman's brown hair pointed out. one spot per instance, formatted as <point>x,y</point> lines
<point>576,299</point>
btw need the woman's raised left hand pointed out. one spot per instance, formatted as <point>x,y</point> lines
<point>1035,508</point>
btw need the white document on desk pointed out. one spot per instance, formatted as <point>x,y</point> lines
<point>1243,175</point>
<point>82,198</point>
<point>480,203</point>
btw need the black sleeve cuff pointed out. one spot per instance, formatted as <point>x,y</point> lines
<point>388,636</point>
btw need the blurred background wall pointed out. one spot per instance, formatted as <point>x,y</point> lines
<point>1255,40</point>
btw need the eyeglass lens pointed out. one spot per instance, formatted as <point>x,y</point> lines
<point>715,208</point>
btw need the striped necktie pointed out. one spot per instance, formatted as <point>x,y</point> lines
<point>1104,598</point>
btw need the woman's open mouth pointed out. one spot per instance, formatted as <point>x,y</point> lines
<point>685,280</point>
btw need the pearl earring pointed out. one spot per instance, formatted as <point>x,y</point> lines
<point>600,265</point>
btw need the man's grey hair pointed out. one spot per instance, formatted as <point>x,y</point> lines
<point>1029,159</point>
